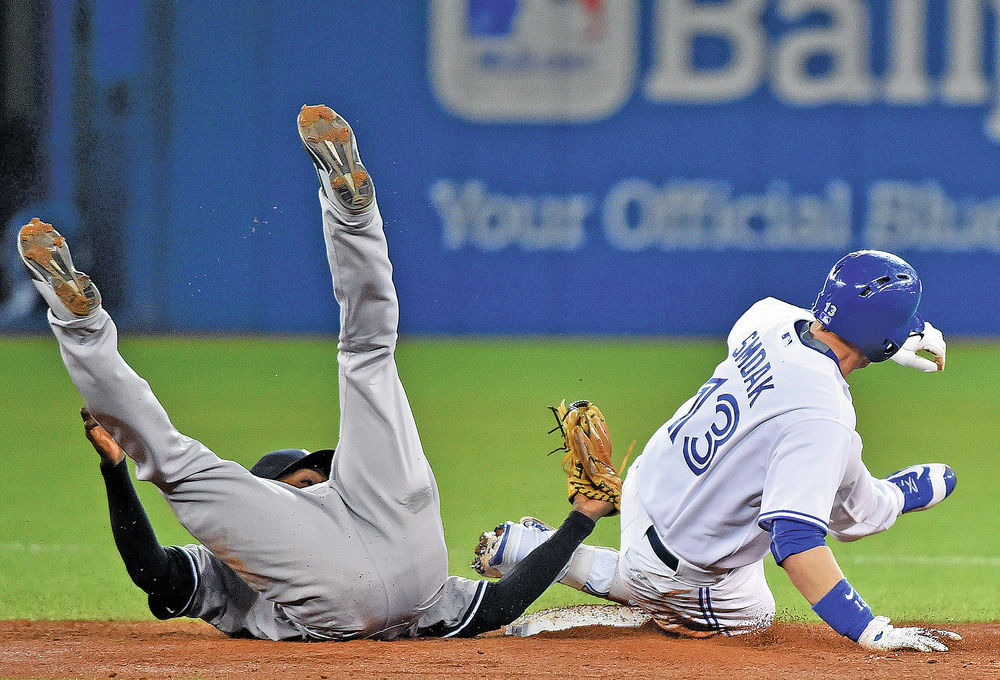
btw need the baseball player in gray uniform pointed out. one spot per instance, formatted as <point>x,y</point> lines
<point>765,456</point>
<point>359,555</point>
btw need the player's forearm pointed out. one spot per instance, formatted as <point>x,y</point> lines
<point>506,599</point>
<point>162,573</point>
<point>145,559</point>
<point>818,577</point>
<point>814,572</point>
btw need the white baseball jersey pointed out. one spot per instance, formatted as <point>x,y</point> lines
<point>770,435</point>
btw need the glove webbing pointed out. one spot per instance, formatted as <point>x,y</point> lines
<point>587,463</point>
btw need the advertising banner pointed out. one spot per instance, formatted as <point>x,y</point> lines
<point>659,164</point>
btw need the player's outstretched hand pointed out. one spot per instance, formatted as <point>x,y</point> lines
<point>105,445</point>
<point>928,340</point>
<point>883,636</point>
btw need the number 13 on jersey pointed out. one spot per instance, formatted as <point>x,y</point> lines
<point>720,426</point>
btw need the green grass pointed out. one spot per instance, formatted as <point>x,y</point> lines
<point>479,405</point>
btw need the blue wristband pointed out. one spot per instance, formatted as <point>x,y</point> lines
<point>844,610</point>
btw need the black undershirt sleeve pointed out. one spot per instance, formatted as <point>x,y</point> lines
<point>506,599</point>
<point>165,574</point>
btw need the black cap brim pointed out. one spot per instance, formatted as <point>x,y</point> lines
<point>277,464</point>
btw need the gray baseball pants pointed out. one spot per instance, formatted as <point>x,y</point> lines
<point>361,556</point>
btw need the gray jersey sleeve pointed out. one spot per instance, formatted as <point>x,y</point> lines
<point>451,609</point>
<point>227,602</point>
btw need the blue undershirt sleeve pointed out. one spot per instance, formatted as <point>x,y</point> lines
<point>790,537</point>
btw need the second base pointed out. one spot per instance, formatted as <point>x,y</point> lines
<point>581,615</point>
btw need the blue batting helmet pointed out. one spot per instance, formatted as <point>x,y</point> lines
<point>870,299</point>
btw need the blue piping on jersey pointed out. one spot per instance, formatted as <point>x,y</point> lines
<point>708,599</point>
<point>809,340</point>
<point>701,605</point>
<point>764,521</point>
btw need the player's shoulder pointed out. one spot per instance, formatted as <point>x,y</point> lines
<point>768,312</point>
<point>808,373</point>
<point>770,322</point>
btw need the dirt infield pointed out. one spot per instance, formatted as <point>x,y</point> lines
<point>123,650</point>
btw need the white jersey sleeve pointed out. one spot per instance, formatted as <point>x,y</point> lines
<point>804,472</point>
<point>865,504</point>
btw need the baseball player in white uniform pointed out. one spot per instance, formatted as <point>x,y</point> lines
<point>765,457</point>
<point>358,553</point>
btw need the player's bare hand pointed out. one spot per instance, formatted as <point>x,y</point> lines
<point>105,445</point>
<point>929,340</point>
<point>883,636</point>
<point>591,507</point>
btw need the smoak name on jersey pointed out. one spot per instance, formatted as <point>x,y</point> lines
<point>752,361</point>
<point>769,435</point>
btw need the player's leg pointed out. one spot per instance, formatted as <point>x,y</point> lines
<point>593,570</point>
<point>682,598</point>
<point>259,527</point>
<point>466,608</point>
<point>738,603</point>
<point>379,452</point>
<point>88,342</point>
<point>380,469</point>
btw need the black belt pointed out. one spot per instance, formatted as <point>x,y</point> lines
<point>667,557</point>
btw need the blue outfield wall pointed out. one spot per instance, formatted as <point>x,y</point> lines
<point>558,166</point>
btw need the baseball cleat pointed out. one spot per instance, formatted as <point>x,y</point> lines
<point>923,486</point>
<point>499,550</point>
<point>334,150</point>
<point>46,256</point>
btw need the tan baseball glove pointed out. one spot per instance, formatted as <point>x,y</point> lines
<point>587,463</point>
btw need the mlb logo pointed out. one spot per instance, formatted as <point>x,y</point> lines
<point>551,61</point>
